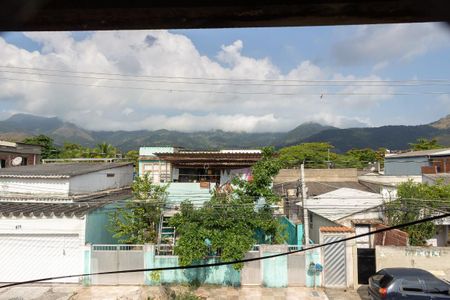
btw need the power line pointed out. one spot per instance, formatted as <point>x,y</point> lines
<point>232,83</point>
<point>441,216</point>
<point>233,79</point>
<point>320,93</point>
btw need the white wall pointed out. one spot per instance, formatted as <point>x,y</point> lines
<point>35,225</point>
<point>99,181</point>
<point>433,259</point>
<point>57,187</point>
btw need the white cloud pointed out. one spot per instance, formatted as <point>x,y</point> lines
<point>155,103</point>
<point>383,44</point>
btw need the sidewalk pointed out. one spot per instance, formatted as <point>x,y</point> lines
<point>76,292</point>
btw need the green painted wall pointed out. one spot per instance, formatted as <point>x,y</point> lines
<point>275,271</point>
<point>289,230</point>
<point>222,275</point>
<point>97,223</point>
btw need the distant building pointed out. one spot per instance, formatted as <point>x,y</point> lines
<point>416,163</point>
<point>18,154</point>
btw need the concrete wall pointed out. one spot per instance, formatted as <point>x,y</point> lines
<point>33,225</point>
<point>322,175</point>
<point>100,180</point>
<point>433,259</point>
<point>316,221</point>
<point>35,186</point>
<point>404,166</point>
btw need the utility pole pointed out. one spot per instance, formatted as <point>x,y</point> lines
<point>305,210</point>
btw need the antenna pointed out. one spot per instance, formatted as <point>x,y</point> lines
<point>17,161</point>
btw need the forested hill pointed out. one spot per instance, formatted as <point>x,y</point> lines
<point>19,126</point>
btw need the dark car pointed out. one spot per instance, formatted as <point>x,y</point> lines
<point>407,283</point>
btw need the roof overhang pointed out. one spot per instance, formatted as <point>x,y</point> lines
<point>210,159</point>
<point>51,15</point>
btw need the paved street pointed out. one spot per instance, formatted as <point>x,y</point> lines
<point>75,292</point>
<point>348,294</point>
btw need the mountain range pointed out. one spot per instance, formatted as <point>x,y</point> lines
<point>19,126</point>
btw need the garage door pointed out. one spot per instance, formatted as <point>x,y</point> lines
<point>31,256</point>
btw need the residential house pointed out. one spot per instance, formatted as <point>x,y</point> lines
<point>193,175</point>
<point>18,154</point>
<point>403,167</point>
<point>442,237</point>
<point>349,207</point>
<point>50,212</point>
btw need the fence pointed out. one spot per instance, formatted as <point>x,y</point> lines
<point>105,258</point>
<point>280,271</point>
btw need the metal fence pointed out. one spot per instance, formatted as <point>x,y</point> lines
<point>106,258</point>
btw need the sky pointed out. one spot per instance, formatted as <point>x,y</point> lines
<point>248,79</point>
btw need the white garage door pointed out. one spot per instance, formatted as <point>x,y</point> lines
<point>31,256</point>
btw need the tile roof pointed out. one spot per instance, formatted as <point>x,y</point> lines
<point>77,209</point>
<point>59,170</point>
<point>336,229</point>
<point>20,209</point>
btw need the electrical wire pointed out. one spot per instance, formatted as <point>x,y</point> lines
<point>218,264</point>
<point>231,92</point>
<point>227,79</point>
<point>228,82</point>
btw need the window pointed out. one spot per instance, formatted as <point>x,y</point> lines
<point>411,285</point>
<point>110,174</point>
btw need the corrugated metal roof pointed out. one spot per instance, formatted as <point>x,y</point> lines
<point>343,202</point>
<point>60,170</point>
<point>319,188</point>
<point>433,152</point>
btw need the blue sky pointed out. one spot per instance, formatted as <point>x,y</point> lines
<point>350,53</point>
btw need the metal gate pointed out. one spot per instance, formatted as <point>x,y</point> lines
<point>105,258</point>
<point>251,272</point>
<point>296,268</point>
<point>366,265</point>
<point>334,262</point>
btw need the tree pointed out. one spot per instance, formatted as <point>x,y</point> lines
<point>72,150</point>
<point>133,156</point>
<point>227,225</point>
<point>416,201</point>
<point>315,155</point>
<point>104,150</point>
<point>137,221</point>
<point>424,144</point>
<point>48,148</point>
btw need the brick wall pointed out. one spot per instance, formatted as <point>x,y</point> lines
<point>393,237</point>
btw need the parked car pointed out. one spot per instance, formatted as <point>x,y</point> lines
<point>407,283</point>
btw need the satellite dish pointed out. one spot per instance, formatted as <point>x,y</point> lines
<point>16,161</point>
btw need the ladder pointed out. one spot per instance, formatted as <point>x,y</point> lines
<point>166,237</point>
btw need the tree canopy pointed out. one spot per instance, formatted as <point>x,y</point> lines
<point>425,144</point>
<point>137,221</point>
<point>49,150</point>
<point>416,201</point>
<point>228,225</point>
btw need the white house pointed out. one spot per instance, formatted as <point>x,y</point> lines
<point>49,212</point>
<point>348,207</point>
<point>64,181</point>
